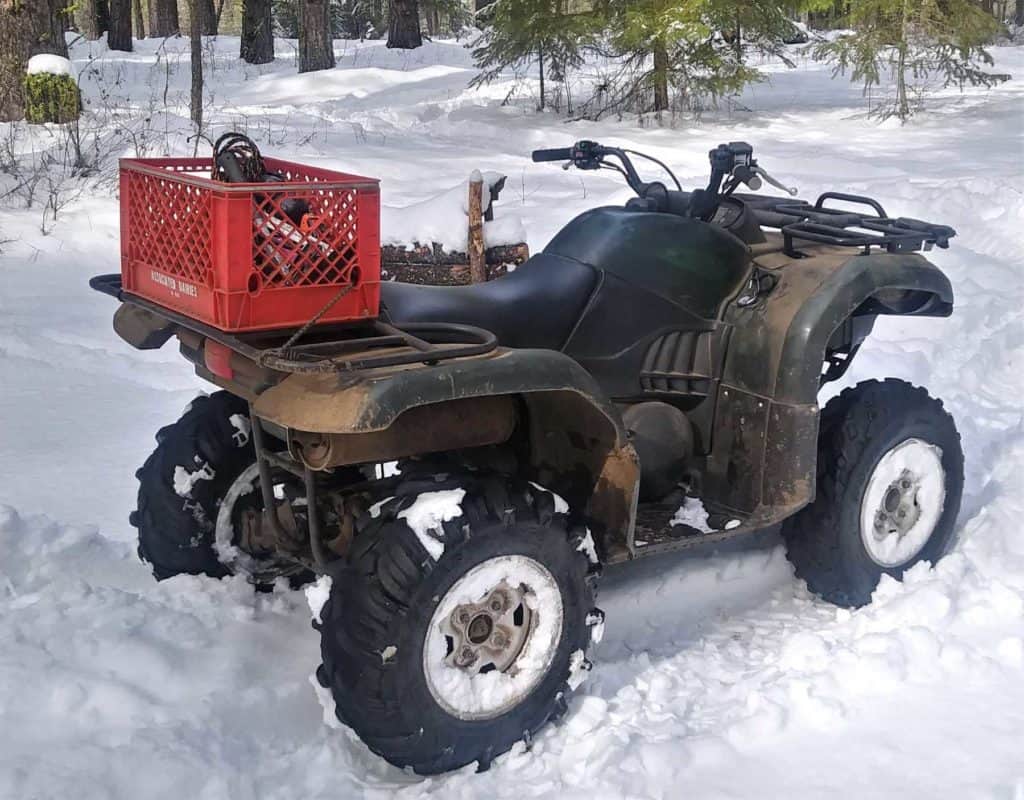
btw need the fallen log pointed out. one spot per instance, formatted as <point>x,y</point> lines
<point>432,264</point>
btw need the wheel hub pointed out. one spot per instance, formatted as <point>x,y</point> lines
<point>900,510</point>
<point>902,502</point>
<point>489,634</point>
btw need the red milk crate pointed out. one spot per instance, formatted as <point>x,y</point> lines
<point>229,255</point>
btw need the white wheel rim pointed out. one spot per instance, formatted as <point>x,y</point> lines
<point>466,692</point>
<point>902,503</point>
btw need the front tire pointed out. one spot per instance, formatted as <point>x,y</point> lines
<point>890,481</point>
<point>453,633</point>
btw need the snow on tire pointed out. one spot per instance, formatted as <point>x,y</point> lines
<point>461,622</point>
<point>890,479</point>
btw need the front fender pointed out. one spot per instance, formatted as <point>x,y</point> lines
<point>778,347</point>
<point>764,454</point>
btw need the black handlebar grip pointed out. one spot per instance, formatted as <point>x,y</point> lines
<point>554,154</point>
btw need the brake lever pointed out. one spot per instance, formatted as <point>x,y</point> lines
<point>790,190</point>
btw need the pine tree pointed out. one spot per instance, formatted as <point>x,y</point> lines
<point>692,48</point>
<point>521,33</point>
<point>120,34</point>
<point>208,21</point>
<point>88,19</point>
<point>138,21</point>
<point>257,32</point>
<point>404,25</point>
<point>915,44</point>
<point>195,30</point>
<point>316,46</point>
<point>163,18</point>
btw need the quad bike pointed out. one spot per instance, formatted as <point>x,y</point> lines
<point>550,422</point>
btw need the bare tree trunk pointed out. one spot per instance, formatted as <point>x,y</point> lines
<point>103,14</point>
<point>316,47</point>
<point>207,18</point>
<point>660,76</point>
<point>26,29</point>
<point>1018,16</point>
<point>196,47</point>
<point>163,18</point>
<point>404,27</point>
<point>257,31</point>
<point>475,239</point>
<point>540,63</point>
<point>433,15</point>
<point>120,35</point>
<point>140,24</point>
<point>87,19</point>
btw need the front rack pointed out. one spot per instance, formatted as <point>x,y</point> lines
<point>798,220</point>
<point>344,347</point>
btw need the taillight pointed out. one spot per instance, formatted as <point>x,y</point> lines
<point>218,359</point>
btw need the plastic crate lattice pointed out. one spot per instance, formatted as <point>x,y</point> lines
<point>250,256</point>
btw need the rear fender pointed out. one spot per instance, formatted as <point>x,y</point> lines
<point>577,445</point>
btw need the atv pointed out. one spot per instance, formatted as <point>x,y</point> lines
<point>461,466</point>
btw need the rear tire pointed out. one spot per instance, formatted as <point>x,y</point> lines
<point>890,481</point>
<point>387,655</point>
<point>182,486</point>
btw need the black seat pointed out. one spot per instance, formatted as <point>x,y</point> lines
<point>535,306</point>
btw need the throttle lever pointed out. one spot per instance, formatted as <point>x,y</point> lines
<point>790,190</point>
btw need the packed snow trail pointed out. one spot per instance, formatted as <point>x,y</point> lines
<point>718,676</point>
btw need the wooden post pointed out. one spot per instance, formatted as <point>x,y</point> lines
<point>477,257</point>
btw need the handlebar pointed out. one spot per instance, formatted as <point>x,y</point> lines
<point>553,154</point>
<point>731,163</point>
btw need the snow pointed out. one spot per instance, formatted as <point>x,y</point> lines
<point>578,669</point>
<point>185,481</point>
<point>49,64</point>
<point>588,548</point>
<point>443,219</point>
<point>693,514</point>
<point>243,429</point>
<point>718,674</point>
<point>561,505</point>
<point>426,514</point>
<point>317,594</point>
<point>375,509</point>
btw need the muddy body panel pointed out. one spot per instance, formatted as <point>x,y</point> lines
<point>761,462</point>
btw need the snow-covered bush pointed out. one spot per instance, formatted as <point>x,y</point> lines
<point>51,92</point>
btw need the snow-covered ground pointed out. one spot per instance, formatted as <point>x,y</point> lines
<point>719,675</point>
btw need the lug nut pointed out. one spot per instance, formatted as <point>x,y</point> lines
<point>463,617</point>
<point>498,639</point>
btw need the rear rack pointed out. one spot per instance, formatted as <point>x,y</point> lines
<point>841,228</point>
<point>344,347</point>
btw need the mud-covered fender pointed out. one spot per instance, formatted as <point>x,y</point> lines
<point>577,443</point>
<point>764,454</point>
<point>778,346</point>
